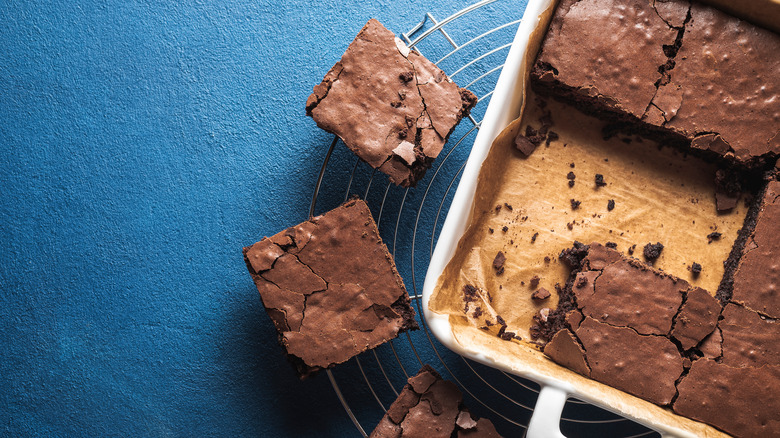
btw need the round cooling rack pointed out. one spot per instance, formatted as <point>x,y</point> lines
<point>410,220</point>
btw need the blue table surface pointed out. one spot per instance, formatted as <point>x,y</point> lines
<point>143,145</point>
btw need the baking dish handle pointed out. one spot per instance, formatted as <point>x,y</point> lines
<point>546,418</point>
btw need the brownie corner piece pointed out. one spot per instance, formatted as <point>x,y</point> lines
<point>391,106</point>
<point>330,287</point>
<point>429,406</point>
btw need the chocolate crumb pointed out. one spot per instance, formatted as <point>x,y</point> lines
<point>612,245</point>
<point>570,226</point>
<point>535,281</point>
<point>509,207</point>
<point>505,228</point>
<point>551,136</point>
<point>600,180</point>
<point>500,320</point>
<point>541,294</point>
<point>498,208</point>
<point>695,268</point>
<point>575,204</point>
<point>491,231</point>
<point>534,136</point>
<point>571,183</point>
<point>631,250</point>
<point>533,238</point>
<point>713,236</point>
<point>571,175</point>
<point>571,165</point>
<point>610,205</point>
<point>498,262</point>
<point>652,251</point>
<point>547,259</point>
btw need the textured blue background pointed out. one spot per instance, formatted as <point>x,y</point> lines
<point>143,144</point>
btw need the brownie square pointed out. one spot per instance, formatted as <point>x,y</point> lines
<point>675,69</point>
<point>330,287</point>
<point>392,107</point>
<point>431,407</point>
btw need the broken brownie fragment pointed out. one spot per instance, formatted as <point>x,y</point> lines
<point>652,251</point>
<point>330,287</point>
<point>498,263</point>
<point>697,318</point>
<point>431,407</point>
<point>541,294</point>
<point>392,107</point>
<point>524,145</point>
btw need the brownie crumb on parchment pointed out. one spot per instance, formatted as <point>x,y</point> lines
<point>695,268</point>
<point>652,251</point>
<point>713,236</point>
<point>541,294</point>
<point>610,205</point>
<point>498,263</point>
<point>575,204</point>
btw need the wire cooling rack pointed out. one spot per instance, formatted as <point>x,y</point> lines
<point>409,221</point>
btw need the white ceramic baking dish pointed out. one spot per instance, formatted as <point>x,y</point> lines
<point>505,106</point>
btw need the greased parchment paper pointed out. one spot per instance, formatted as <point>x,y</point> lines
<point>523,208</point>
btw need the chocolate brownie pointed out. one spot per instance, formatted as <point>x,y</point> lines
<point>330,287</point>
<point>431,407</point>
<point>391,106</point>
<point>618,317</point>
<point>757,277</point>
<point>675,69</point>
<point>741,401</point>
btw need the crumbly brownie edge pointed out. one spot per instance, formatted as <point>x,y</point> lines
<point>726,287</point>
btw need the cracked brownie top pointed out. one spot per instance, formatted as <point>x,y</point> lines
<point>330,287</point>
<point>681,70</point>
<point>391,106</point>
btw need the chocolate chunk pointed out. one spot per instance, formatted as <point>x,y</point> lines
<point>330,287</point>
<point>600,180</point>
<point>524,145</point>
<point>541,294</point>
<point>652,251</point>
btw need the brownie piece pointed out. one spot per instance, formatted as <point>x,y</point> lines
<point>617,317</point>
<point>431,407</point>
<point>390,105</point>
<point>741,401</point>
<point>673,69</point>
<point>757,277</point>
<point>748,340</point>
<point>330,287</point>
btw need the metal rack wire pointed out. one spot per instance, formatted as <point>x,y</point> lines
<point>409,221</point>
